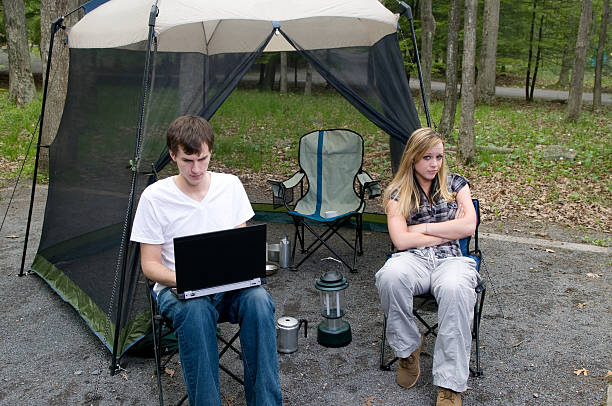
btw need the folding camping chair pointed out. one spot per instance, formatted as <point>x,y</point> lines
<point>331,162</point>
<point>162,327</point>
<point>427,301</point>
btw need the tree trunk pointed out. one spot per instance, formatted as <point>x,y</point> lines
<point>427,36</point>
<point>191,86</point>
<point>574,100</point>
<point>295,71</point>
<point>485,83</point>
<point>566,66</point>
<point>283,72</point>
<point>447,121</point>
<point>262,76</point>
<point>270,73</point>
<point>538,58</point>
<point>528,74</point>
<point>466,132</point>
<point>56,91</point>
<point>308,81</point>
<point>21,82</point>
<point>605,11</point>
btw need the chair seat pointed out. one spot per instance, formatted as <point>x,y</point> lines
<point>317,217</point>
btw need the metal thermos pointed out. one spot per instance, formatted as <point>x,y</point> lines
<point>285,253</point>
<point>287,329</point>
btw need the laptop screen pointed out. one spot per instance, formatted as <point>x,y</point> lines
<point>220,258</point>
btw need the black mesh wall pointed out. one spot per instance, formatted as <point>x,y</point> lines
<point>373,79</point>
<point>91,162</point>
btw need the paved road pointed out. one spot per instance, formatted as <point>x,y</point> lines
<point>506,92</point>
<point>519,93</point>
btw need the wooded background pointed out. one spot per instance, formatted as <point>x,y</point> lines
<point>472,45</point>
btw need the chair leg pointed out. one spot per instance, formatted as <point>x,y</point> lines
<point>156,324</point>
<point>430,329</point>
<point>299,235</point>
<point>229,345</point>
<point>326,245</point>
<point>360,228</point>
<point>183,399</point>
<point>357,242</point>
<point>230,373</point>
<point>384,366</point>
<point>321,239</point>
<point>477,372</point>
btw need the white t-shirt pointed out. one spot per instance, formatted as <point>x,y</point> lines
<point>165,212</point>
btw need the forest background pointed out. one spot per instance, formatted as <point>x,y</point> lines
<point>546,161</point>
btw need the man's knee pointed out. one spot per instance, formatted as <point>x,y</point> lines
<point>198,310</point>
<point>257,300</point>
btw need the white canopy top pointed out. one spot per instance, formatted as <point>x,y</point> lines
<point>222,26</point>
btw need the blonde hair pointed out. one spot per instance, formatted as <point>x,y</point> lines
<point>404,187</point>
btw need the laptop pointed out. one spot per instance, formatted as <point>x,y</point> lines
<point>220,261</point>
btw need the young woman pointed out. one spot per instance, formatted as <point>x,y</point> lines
<point>428,211</point>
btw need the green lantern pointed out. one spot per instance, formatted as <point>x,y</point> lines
<point>333,331</point>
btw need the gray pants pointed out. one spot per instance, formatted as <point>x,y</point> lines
<point>452,282</point>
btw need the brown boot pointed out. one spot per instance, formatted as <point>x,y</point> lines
<point>409,369</point>
<point>447,397</point>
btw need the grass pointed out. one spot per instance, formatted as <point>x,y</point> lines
<point>258,132</point>
<point>16,129</point>
<point>530,128</point>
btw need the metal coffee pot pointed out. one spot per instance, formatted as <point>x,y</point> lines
<point>287,333</point>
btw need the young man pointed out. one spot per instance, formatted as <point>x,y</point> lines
<point>197,201</point>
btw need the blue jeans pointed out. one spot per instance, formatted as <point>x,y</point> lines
<point>195,323</point>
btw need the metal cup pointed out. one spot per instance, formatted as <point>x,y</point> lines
<point>287,329</point>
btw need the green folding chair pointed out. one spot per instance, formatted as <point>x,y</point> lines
<point>331,171</point>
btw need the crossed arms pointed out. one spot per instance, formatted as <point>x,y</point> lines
<point>429,234</point>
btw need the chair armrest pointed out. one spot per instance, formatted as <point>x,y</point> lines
<point>279,188</point>
<point>372,186</point>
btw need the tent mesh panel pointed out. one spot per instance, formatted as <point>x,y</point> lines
<point>91,168</point>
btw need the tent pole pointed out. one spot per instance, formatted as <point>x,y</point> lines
<point>114,367</point>
<point>55,26</point>
<point>407,12</point>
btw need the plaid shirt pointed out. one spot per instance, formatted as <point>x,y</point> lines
<point>440,211</point>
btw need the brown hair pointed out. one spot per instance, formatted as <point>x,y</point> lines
<point>404,187</point>
<point>189,132</point>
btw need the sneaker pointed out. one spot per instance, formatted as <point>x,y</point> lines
<point>447,397</point>
<point>409,369</point>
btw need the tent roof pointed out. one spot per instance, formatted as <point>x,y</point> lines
<point>219,26</point>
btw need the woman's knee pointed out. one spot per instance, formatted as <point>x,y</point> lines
<point>455,285</point>
<point>392,276</point>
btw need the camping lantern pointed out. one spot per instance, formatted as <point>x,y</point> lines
<point>333,331</point>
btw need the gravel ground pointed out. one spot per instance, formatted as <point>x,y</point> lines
<point>547,316</point>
